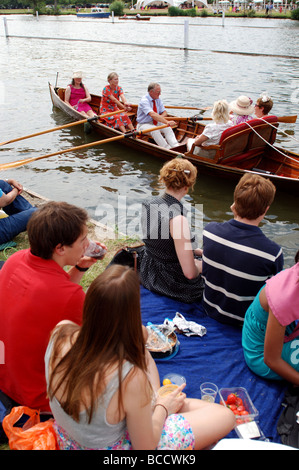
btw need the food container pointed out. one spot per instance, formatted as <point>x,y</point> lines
<point>242,393</point>
<point>162,342</point>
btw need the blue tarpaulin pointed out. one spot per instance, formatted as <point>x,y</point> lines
<point>215,357</point>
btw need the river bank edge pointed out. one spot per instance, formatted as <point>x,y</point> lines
<point>208,13</point>
<point>112,238</point>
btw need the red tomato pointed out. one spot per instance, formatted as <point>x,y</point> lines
<point>232,407</point>
<point>244,412</point>
<point>240,408</point>
<point>231,399</point>
<point>239,401</point>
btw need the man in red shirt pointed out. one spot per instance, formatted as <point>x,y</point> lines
<point>36,293</point>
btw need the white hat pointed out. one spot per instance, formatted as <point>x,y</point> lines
<point>77,75</point>
<point>242,106</point>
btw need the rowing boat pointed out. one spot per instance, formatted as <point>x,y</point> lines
<point>243,148</point>
<point>136,18</point>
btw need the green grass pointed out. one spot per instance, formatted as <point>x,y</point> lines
<point>112,245</point>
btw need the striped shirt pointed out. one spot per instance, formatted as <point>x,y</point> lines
<point>237,260</point>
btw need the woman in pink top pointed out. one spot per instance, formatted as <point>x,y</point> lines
<point>77,96</point>
<point>270,336</point>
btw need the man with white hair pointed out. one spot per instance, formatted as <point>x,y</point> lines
<point>151,112</point>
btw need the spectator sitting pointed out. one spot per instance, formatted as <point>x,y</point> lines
<point>36,293</point>
<point>237,257</point>
<point>18,209</point>
<point>169,264</point>
<point>270,334</point>
<point>102,381</point>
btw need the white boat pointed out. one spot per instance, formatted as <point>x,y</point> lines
<point>94,13</point>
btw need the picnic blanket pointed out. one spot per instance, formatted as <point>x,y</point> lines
<point>215,357</point>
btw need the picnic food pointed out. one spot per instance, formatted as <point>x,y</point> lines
<point>166,382</point>
<point>235,403</point>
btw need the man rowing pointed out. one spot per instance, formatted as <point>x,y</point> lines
<point>151,112</point>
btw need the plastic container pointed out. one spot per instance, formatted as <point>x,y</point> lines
<point>249,406</point>
<point>166,389</point>
<point>94,250</point>
<point>175,379</point>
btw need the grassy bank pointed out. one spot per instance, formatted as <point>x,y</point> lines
<point>112,239</point>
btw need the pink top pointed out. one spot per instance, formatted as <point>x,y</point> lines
<point>282,293</point>
<point>237,119</point>
<point>76,95</point>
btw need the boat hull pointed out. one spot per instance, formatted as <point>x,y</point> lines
<point>134,18</point>
<point>271,159</point>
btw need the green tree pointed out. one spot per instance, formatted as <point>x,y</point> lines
<point>295,14</point>
<point>117,7</point>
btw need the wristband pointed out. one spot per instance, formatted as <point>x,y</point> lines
<point>160,404</point>
<point>82,270</point>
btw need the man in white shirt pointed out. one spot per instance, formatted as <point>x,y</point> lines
<point>151,112</point>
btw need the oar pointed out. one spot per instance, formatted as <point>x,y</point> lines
<point>288,119</point>
<point>6,166</point>
<point>62,127</point>
<point>188,107</point>
<point>198,118</point>
<point>181,107</point>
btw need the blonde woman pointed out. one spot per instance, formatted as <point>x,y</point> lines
<point>212,132</point>
<point>169,265</point>
<point>113,99</point>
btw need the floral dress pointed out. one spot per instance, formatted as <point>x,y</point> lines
<point>108,106</point>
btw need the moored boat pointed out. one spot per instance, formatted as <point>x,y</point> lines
<point>243,148</point>
<point>94,13</point>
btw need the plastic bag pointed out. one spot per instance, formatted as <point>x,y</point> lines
<point>34,435</point>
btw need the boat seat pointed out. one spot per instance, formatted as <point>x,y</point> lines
<point>244,141</point>
<point>61,93</point>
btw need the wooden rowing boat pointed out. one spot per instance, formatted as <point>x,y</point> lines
<point>136,18</point>
<point>241,148</point>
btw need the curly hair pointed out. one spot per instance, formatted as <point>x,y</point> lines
<point>178,173</point>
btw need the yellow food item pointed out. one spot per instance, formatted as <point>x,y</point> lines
<point>167,382</point>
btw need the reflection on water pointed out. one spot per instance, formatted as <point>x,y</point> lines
<point>110,174</point>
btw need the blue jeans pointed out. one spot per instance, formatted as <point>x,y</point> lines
<point>19,212</point>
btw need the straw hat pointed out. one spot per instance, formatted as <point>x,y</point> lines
<point>242,106</point>
<point>77,75</point>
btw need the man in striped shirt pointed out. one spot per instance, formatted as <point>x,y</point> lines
<point>237,257</point>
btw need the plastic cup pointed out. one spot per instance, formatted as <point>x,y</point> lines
<point>208,391</point>
<point>175,379</point>
<point>166,389</point>
<point>94,250</point>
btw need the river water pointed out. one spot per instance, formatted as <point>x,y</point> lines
<point>223,60</point>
